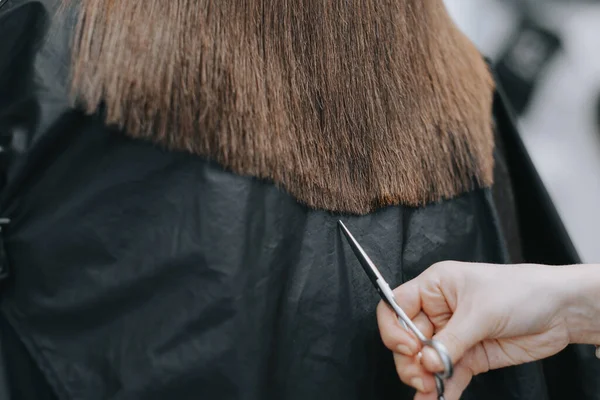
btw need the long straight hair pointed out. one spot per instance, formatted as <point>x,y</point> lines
<point>350,105</point>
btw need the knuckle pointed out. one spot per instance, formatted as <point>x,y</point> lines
<point>396,339</point>
<point>424,324</point>
<point>445,266</point>
<point>441,265</point>
<point>450,272</point>
<point>441,269</point>
<point>388,340</point>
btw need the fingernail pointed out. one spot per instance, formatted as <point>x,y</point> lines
<point>405,350</point>
<point>417,383</point>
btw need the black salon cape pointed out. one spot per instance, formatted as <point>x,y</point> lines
<point>139,273</point>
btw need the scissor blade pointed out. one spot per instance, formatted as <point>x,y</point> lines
<point>362,256</point>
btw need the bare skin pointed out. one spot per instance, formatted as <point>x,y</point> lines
<point>489,317</point>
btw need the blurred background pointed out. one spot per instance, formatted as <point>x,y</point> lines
<point>547,57</point>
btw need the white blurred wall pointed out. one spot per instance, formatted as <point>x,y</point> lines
<point>559,129</point>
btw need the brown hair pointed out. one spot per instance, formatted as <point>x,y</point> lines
<point>349,105</point>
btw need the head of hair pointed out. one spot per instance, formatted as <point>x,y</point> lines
<point>349,105</point>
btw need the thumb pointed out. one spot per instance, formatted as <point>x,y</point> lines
<point>458,336</point>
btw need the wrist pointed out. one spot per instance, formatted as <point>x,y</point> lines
<point>579,291</point>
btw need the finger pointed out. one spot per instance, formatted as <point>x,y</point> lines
<point>458,336</point>
<point>459,382</point>
<point>403,341</point>
<point>393,334</point>
<point>424,325</point>
<point>454,387</point>
<point>412,373</point>
<point>408,296</point>
<point>427,396</point>
<point>409,367</point>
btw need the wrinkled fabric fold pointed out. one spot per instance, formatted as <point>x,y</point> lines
<point>141,273</point>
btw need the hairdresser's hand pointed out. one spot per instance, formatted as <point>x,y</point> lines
<point>487,316</point>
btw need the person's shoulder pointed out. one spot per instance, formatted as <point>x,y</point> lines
<point>10,8</point>
<point>30,28</point>
<point>34,54</point>
<point>28,17</point>
<point>21,21</point>
<point>22,24</point>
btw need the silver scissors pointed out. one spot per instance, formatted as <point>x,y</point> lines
<point>388,296</point>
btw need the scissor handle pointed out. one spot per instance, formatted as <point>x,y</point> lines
<point>444,356</point>
<point>439,384</point>
<point>408,324</point>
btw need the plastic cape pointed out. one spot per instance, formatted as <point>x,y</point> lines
<point>138,273</point>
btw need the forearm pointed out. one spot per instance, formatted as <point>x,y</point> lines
<point>581,303</point>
